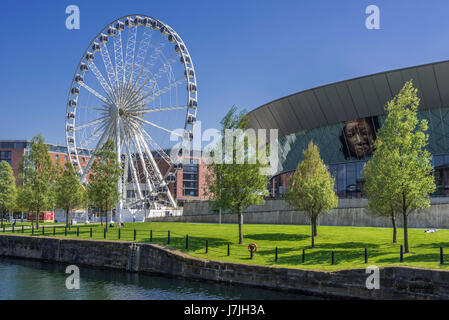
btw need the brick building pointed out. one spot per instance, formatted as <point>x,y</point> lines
<point>189,184</point>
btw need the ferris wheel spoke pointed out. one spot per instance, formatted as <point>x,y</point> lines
<point>158,126</point>
<point>130,49</point>
<point>154,56</point>
<point>87,141</point>
<point>108,65</point>
<point>136,134</point>
<point>156,147</point>
<point>100,143</point>
<point>90,123</point>
<point>104,84</point>
<point>133,169</point>
<point>161,178</point>
<point>162,109</point>
<point>91,108</point>
<point>152,78</point>
<point>144,164</point>
<point>143,48</point>
<point>95,93</point>
<point>150,98</point>
<point>118,56</point>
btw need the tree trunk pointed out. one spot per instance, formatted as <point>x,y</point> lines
<point>67,217</point>
<point>37,219</point>
<point>404,214</point>
<point>240,225</point>
<point>313,233</point>
<point>393,221</point>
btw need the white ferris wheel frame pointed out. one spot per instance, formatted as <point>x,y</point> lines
<point>125,62</point>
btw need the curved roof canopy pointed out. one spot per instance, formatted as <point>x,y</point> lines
<point>351,99</point>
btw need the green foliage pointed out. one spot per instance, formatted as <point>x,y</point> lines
<point>102,189</point>
<point>38,176</point>
<point>399,175</point>
<point>8,191</point>
<point>230,184</point>
<point>69,193</point>
<point>312,187</point>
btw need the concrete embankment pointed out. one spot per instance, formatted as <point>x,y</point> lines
<point>395,282</point>
<point>350,212</point>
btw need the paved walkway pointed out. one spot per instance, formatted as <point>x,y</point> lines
<point>19,227</point>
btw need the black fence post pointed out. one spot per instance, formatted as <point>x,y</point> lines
<point>276,254</point>
<point>91,232</point>
<point>119,233</point>
<point>401,254</point>
<point>23,229</point>
<point>3,228</point>
<point>151,235</point>
<point>54,230</point>
<point>207,245</point>
<point>441,256</point>
<point>333,257</point>
<point>229,249</point>
<point>303,255</point>
<point>366,255</point>
<point>43,230</point>
<point>65,231</point>
<point>104,233</point>
<point>32,229</point>
<point>135,233</point>
<point>168,237</point>
<point>187,241</point>
<point>13,229</point>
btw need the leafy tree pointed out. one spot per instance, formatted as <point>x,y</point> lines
<point>231,184</point>
<point>8,192</point>
<point>383,206</point>
<point>399,175</point>
<point>69,192</point>
<point>312,188</point>
<point>102,189</point>
<point>38,176</point>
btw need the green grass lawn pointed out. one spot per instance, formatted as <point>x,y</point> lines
<point>348,243</point>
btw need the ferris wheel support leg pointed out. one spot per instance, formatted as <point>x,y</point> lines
<point>119,206</point>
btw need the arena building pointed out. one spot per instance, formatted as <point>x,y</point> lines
<point>342,118</point>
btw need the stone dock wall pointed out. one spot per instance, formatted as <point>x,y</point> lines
<point>395,282</point>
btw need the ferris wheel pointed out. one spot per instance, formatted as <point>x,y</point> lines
<point>135,84</point>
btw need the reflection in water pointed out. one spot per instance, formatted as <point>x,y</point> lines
<point>27,279</point>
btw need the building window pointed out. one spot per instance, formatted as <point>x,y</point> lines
<point>6,156</point>
<point>190,179</point>
<point>57,157</point>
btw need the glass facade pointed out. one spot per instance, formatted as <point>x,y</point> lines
<point>6,156</point>
<point>190,178</point>
<point>345,147</point>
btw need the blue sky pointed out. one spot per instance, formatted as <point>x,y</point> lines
<point>245,52</point>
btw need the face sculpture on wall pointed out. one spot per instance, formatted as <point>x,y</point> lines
<point>358,136</point>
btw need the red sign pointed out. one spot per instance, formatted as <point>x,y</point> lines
<point>46,216</point>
